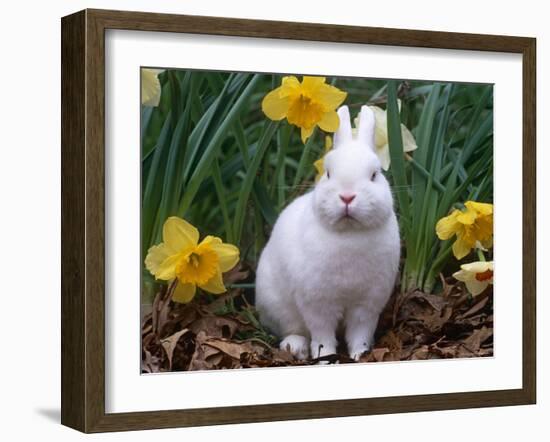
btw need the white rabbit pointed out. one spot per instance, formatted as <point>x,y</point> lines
<point>333,256</point>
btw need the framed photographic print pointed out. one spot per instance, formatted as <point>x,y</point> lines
<point>268,220</point>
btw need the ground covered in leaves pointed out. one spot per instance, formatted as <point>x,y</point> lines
<point>224,332</point>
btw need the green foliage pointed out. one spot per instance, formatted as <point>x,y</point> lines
<point>453,163</point>
<point>211,156</point>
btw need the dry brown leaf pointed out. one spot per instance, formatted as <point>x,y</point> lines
<point>437,302</point>
<point>478,337</point>
<point>215,326</point>
<point>169,344</point>
<point>413,326</point>
<point>379,353</point>
<point>406,352</point>
<point>161,308</point>
<point>281,356</point>
<point>220,302</point>
<point>420,353</point>
<point>392,341</point>
<point>476,307</point>
<point>233,349</point>
<point>197,361</point>
<point>236,274</point>
<point>435,321</point>
<point>150,364</point>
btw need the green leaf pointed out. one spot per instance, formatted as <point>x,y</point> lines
<point>397,158</point>
<point>240,138</point>
<point>262,199</point>
<point>146,113</point>
<point>283,139</point>
<point>305,159</point>
<point>250,176</point>
<point>152,189</point>
<point>168,205</point>
<point>211,150</point>
<point>217,177</point>
<point>423,153</point>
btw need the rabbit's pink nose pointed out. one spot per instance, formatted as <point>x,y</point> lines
<point>347,198</point>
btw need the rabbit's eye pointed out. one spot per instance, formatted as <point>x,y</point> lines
<point>328,174</point>
<point>374,175</point>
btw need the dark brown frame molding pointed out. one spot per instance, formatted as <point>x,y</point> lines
<point>83,216</point>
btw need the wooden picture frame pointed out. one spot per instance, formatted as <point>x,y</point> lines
<point>83,219</point>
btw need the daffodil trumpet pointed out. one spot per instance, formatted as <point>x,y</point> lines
<point>188,264</point>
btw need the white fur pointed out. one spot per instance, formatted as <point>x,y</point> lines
<point>320,269</point>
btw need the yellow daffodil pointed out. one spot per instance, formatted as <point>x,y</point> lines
<point>381,136</point>
<point>150,87</point>
<point>320,163</point>
<point>476,275</point>
<point>307,104</point>
<point>471,226</point>
<point>181,256</point>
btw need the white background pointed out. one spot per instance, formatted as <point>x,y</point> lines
<point>30,194</point>
<point>125,53</point>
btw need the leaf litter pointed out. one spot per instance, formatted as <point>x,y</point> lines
<point>224,332</point>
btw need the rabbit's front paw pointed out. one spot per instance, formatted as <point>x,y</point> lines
<point>357,351</point>
<point>297,345</point>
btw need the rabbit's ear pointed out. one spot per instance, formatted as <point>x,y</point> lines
<point>343,134</point>
<point>366,127</point>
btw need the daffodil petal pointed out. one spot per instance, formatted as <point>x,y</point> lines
<point>328,143</point>
<point>460,248</point>
<point>476,287</point>
<point>167,268</point>
<point>463,275</point>
<point>379,114</point>
<point>384,156</point>
<point>274,106</point>
<point>484,227</point>
<point>330,97</point>
<point>179,235</point>
<point>329,122</point>
<point>228,254</point>
<point>306,133</point>
<point>477,266</point>
<point>447,227</point>
<point>480,246</point>
<point>466,217</point>
<point>214,285</point>
<point>150,87</point>
<point>409,143</point>
<point>311,83</point>
<point>487,243</point>
<point>483,208</point>
<point>290,86</point>
<point>156,255</point>
<point>311,86</point>
<point>319,167</point>
<point>476,275</point>
<point>184,292</point>
<point>380,126</point>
